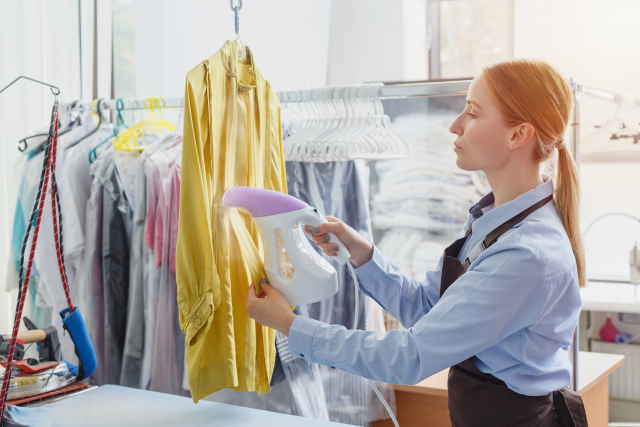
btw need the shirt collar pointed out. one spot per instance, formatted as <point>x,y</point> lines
<point>226,58</point>
<point>484,223</point>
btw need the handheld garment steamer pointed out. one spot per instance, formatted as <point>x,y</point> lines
<point>292,265</point>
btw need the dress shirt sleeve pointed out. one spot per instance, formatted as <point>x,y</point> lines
<point>504,293</point>
<point>404,297</point>
<point>198,285</point>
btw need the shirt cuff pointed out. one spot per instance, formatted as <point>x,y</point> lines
<point>373,270</point>
<point>301,335</point>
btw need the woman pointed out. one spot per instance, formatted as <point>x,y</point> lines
<point>502,306</point>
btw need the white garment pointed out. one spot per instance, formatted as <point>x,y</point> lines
<point>50,290</point>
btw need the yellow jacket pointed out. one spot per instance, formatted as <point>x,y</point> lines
<point>231,137</point>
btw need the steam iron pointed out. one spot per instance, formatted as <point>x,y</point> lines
<point>293,267</point>
<point>46,373</point>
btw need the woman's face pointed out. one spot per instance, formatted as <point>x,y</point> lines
<point>483,136</point>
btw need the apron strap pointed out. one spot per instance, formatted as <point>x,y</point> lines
<point>493,236</point>
<point>569,408</point>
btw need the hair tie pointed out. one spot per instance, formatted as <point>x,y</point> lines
<point>560,145</point>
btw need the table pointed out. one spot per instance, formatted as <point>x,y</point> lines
<point>425,404</point>
<point>111,405</point>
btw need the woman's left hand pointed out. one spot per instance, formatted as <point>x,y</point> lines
<point>269,308</point>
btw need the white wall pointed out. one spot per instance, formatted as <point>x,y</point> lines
<point>377,40</point>
<point>289,38</point>
<point>597,42</point>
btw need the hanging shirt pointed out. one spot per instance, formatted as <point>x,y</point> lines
<point>513,312</point>
<point>117,220</point>
<point>231,137</point>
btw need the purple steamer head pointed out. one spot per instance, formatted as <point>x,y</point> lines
<point>259,202</point>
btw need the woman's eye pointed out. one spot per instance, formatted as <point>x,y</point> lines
<point>473,116</point>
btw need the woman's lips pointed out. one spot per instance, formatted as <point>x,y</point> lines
<point>456,147</point>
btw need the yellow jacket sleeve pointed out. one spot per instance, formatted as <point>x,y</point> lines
<point>194,258</point>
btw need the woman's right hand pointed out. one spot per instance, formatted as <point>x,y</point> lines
<point>361,251</point>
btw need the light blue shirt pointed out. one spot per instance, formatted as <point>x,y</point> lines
<point>513,312</point>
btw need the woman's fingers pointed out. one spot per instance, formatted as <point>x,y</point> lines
<point>330,253</point>
<point>329,247</point>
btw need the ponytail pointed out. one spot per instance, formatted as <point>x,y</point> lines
<point>567,198</point>
<point>533,91</point>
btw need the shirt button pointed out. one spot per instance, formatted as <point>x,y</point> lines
<point>193,316</point>
<point>198,321</point>
<point>301,355</point>
<point>332,367</point>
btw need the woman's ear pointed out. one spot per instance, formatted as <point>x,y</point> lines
<point>521,135</point>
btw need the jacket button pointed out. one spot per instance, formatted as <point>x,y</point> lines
<point>198,321</point>
<point>193,316</point>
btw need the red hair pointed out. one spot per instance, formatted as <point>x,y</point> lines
<point>533,91</point>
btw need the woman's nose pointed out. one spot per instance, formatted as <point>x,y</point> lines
<point>456,127</point>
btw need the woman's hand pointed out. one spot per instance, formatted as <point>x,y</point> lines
<point>361,251</point>
<point>269,308</point>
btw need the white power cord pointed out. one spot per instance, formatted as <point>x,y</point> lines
<point>355,326</point>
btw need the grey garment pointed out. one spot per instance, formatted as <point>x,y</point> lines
<point>307,392</point>
<point>336,189</point>
<point>90,297</point>
<point>131,373</point>
<point>299,392</point>
<point>277,375</point>
<point>116,232</point>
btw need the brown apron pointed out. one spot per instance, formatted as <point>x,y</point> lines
<point>477,399</point>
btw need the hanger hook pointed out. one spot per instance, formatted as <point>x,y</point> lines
<point>120,107</point>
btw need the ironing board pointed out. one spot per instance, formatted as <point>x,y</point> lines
<point>111,405</point>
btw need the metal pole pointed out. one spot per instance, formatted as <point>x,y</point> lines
<point>80,41</point>
<point>54,89</point>
<point>575,151</point>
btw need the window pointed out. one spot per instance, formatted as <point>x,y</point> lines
<point>473,34</point>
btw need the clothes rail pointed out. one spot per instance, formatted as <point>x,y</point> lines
<point>395,91</point>
<point>129,104</point>
<point>599,93</point>
<point>404,90</point>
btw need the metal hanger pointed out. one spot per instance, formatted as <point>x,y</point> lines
<point>100,120</point>
<point>93,154</point>
<point>236,9</point>
<point>54,90</point>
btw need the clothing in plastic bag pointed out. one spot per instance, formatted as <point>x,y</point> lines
<point>338,189</point>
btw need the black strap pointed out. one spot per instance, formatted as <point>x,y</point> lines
<point>495,234</point>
